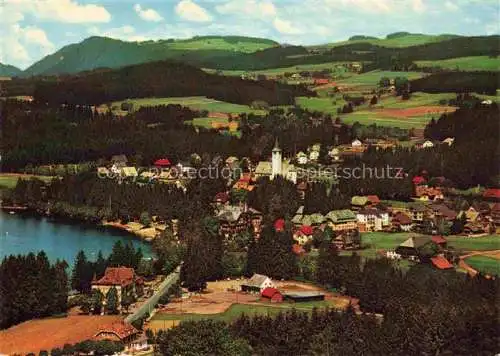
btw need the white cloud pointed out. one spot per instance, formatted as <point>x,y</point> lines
<point>418,6</point>
<point>190,11</point>
<point>247,8</point>
<point>147,14</point>
<point>68,11</point>
<point>451,6</point>
<point>492,28</point>
<point>285,27</point>
<point>21,41</point>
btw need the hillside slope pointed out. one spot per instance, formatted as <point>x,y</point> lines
<point>159,79</point>
<point>397,39</point>
<point>98,52</point>
<point>6,70</point>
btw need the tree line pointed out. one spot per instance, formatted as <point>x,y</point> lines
<point>31,287</point>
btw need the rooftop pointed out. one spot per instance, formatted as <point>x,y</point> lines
<point>116,276</point>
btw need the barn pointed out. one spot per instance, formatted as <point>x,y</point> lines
<point>306,296</point>
<point>272,294</point>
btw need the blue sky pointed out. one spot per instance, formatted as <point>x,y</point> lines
<point>31,29</point>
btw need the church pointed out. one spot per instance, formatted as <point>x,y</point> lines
<point>277,167</point>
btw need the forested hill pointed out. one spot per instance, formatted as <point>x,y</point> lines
<point>244,53</point>
<point>7,70</point>
<point>160,79</point>
<point>97,52</point>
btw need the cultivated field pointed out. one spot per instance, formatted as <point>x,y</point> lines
<point>464,63</point>
<point>45,334</point>
<point>222,300</point>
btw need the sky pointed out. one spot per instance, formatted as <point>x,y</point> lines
<point>31,29</point>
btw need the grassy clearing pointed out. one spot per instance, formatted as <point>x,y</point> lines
<point>326,105</point>
<point>484,264</point>
<point>485,243</point>
<point>193,102</point>
<point>478,63</point>
<point>9,181</point>
<point>247,45</point>
<point>235,310</point>
<point>372,78</point>
<point>386,241</point>
<point>403,41</point>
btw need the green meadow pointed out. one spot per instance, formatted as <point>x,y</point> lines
<point>478,63</point>
<point>193,102</point>
<point>484,264</point>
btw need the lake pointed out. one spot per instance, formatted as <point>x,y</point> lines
<point>21,234</point>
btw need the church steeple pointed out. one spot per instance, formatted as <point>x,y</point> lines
<point>276,164</point>
<point>276,146</point>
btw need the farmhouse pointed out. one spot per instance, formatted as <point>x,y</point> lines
<point>123,279</point>
<point>411,246</point>
<point>401,222</point>
<point>305,296</point>
<point>272,294</point>
<point>119,331</point>
<point>347,240</point>
<point>257,283</point>
<point>232,220</point>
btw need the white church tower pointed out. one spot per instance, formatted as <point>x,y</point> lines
<point>276,160</point>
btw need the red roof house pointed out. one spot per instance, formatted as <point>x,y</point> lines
<point>118,331</point>
<point>306,230</point>
<point>273,294</point>
<point>439,240</point>
<point>116,276</point>
<point>321,81</point>
<point>162,162</point>
<point>491,193</point>
<point>417,180</point>
<point>279,225</point>
<point>441,263</point>
<point>298,250</point>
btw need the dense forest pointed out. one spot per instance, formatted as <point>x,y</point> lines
<point>31,287</point>
<point>154,79</point>
<point>458,82</point>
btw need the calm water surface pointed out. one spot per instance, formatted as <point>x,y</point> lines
<point>21,234</point>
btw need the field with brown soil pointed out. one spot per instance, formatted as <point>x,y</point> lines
<point>45,334</point>
<point>415,112</point>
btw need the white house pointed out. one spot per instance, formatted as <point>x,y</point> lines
<point>427,144</point>
<point>449,141</point>
<point>372,219</point>
<point>356,143</point>
<point>257,283</point>
<point>301,158</point>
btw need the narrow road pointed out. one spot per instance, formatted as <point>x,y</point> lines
<point>150,304</point>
